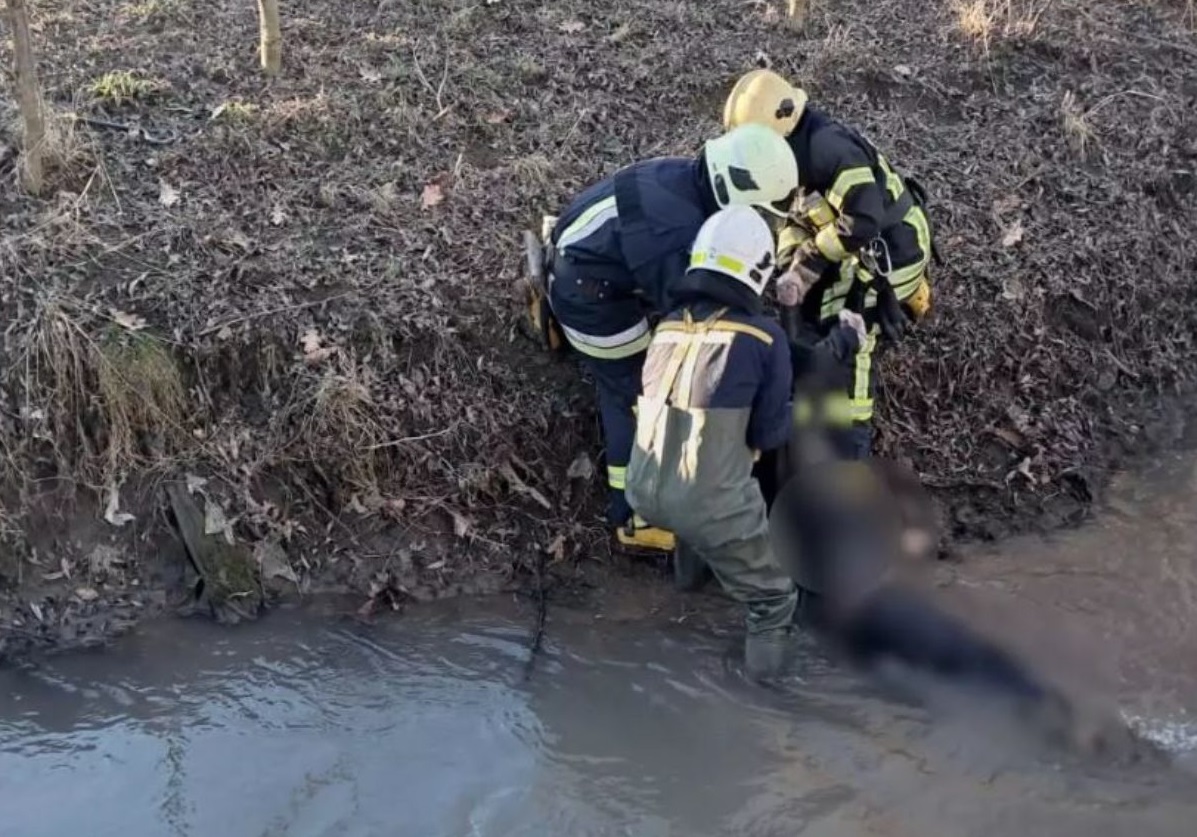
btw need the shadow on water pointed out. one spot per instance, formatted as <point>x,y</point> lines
<point>428,726</point>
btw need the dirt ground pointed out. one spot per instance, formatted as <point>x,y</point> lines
<point>291,296</point>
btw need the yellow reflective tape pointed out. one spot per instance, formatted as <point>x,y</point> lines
<point>864,369</point>
<point>829,244</point>
<point>820,212</point>
<point>846,181</point>
<point>892,181</point>
<point>833,408</point>
<point>605,207</point>
<point>743,328</point>
<point>716,326</point>
<point>633,347</point>
<point>617,476</point>
<point>788,241</point>
<point>861,411</point>
<point>698,259</point>
<point>905,281</point>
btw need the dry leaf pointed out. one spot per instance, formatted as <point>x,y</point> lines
<point>272,562</point>
<point>1013,234</point>
<point>433,195</point>
<point>621,33</point>
<point>240,239</point>
<point>581,468</point>
<point>556,549</point>
<point>86,594</point>
<point>313,349</point>
<point>215,523</point>
<point>168,196</point>
<point>462,525</point>
<point>522,487</point>
<point>1011,437</point>
<point>310,340</point>
<point>572,26</point>
<point>1012,289</point>
<point>112,512</point>
<point>104,559</point>
<point>133,322</point>
<point>195,483</point>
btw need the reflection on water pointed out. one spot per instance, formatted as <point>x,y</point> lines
<point>427,726</point>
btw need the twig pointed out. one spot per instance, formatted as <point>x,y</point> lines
<point>437,92</point>
<point>271,312</point>
<point>396,442</point>
<point>542,612</point>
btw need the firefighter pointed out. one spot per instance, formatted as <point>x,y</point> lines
<point>613,253</point>
<point>857,236</point>
<point>716,395</point>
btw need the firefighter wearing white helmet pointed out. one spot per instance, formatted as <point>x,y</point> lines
<point>716,392</point>
<point>858,237</point>
<point>609,262</point>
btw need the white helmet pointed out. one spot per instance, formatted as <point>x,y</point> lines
<point>752,164</point>
<point>738,243</point>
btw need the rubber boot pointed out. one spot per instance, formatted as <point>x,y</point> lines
<point>636,534</point>
<point>690,572</point>
<point>767,654</point>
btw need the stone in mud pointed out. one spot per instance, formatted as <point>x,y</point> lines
<point>229,587</point>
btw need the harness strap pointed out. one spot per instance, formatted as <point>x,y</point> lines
<point>683,351</point>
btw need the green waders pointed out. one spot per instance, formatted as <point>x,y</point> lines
<point>691,472</point>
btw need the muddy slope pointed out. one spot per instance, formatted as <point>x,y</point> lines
<point>297,305</point>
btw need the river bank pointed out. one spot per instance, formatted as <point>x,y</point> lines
<point>295,311</point>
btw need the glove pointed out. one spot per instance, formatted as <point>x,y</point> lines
<point>890,315</point>
<point>791,289</point>
<point>809,264</point>
<point>918,304</point>
<point>855,322</point>
<point>790,241</point>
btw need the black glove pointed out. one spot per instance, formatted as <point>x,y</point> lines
<point>891,316</point>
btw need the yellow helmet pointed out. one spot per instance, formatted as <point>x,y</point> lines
<point>764,97</point>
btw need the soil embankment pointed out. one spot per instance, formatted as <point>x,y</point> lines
<point>291,297</point>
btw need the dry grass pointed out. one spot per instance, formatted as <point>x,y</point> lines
<point>342,433</point>
<point>1075,122</point>
<point>985,20</point>
<point>106,405</point>
<point>143,399</point>
<point>123,86</point>
<point>235,112</point>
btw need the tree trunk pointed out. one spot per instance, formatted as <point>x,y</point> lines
<point>272,39</point>
<point>797,12</point>
<point>30,97</point>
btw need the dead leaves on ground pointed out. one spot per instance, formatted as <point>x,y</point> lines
<point>168,195</point>
<point>433,195</point>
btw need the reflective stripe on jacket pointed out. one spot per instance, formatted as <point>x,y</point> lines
<point>634,229</point>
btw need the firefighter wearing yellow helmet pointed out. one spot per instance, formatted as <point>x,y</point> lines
<point>857,236</point>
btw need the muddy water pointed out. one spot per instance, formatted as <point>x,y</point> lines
<point>430,725</point>
<point>1111,608</point>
